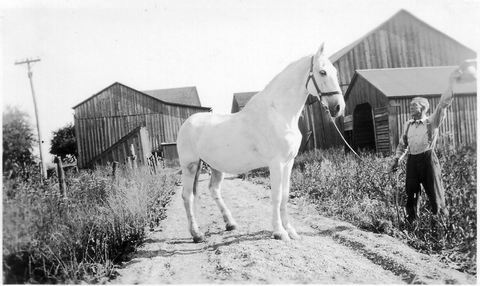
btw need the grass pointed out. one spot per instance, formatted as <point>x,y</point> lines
<point>366,195</point>
<point>81,238</point>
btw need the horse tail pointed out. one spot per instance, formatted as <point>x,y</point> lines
<point>197,174</point>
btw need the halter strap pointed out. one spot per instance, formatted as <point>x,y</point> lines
<point>312,78</point>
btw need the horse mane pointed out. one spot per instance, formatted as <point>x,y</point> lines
<point>281,74</point>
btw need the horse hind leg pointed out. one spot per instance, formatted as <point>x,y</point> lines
<point>215,188</point>
<point>190,174</point>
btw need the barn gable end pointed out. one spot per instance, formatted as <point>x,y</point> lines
<point>401,41</point>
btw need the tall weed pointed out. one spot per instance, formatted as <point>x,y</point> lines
<point>52,239</point>
<point>364,193</point>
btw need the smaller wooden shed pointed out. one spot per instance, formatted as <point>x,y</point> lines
<point>240,99</point>
<point>377,106</point>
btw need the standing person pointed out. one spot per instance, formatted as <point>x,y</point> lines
<point>419,136</point>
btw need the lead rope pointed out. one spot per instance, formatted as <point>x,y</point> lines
<point>348,145</point>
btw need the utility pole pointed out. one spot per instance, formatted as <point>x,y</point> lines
<point>40,142</point>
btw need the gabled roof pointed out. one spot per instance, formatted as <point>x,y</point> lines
<point>176,92</point>
<point>333,58</point>
<point>406,82</point>
<point>180,95</point>
<point>243,97</point>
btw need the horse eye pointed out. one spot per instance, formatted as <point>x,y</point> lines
<point>323,73</point>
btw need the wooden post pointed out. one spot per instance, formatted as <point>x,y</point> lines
<point>155,159</point>
<point>128,161</point>
<point>133,156</point>
<point>114,170</point>
<point>61,176</point>
<point>155,163</point>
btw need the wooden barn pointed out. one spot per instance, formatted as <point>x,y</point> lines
<point>379,102</point>
<point>118,117</point>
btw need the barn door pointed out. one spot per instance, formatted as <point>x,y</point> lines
<point>382,130</point>
<point>363,128</point>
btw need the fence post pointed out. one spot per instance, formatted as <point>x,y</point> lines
<point>114,170</point>
<point>128,161</point>
<point>134,157</point>
<point>61,176</point>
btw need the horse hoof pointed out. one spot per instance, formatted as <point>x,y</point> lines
<point>199,238</point>
<point>295,236</point>
<point>231,227</point>
<point>281,236</point>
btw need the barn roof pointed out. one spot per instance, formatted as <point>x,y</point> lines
<point>181,95</point>
<point>243,97</point>
<point>406,82</point>
<point>174,96</point>
<point>333,58</point>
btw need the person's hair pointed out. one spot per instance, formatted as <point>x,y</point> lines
<point>422,101</point>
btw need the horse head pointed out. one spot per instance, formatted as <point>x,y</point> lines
<point>324,76</point>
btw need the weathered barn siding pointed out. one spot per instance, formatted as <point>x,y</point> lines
<point>170,154</point>
<point>317,122</point>
<point>136,142</point>
<point>401,41</point>
<point>109,115</point>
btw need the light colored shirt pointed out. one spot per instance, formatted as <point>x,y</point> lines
<point>422,134</point>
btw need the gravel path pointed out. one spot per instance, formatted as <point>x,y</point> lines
<point>330,251</point>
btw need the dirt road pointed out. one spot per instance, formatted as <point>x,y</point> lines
<point>330,251</point>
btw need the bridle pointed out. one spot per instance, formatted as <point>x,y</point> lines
<point>319,92</point>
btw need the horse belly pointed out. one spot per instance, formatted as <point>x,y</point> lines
<point>230,150</point>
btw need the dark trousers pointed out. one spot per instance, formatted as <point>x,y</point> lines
<point>424,169</point>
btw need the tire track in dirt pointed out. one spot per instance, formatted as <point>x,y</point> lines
<point>330,251</point>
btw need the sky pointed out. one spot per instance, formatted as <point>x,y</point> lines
<point>219,46</point>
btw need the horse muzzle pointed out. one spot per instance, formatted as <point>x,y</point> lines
<point>336,109</point>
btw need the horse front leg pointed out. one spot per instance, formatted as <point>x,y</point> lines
<point>276,180</point>
<point>287,172</point>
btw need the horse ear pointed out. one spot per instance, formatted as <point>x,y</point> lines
<point>320,50</point>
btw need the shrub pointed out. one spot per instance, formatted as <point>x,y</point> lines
<point>52,239</point>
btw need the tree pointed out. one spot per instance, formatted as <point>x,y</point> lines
<point>63,143</point>
<point>18,139</point>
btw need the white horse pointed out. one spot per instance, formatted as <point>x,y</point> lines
<point>263,134</point>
